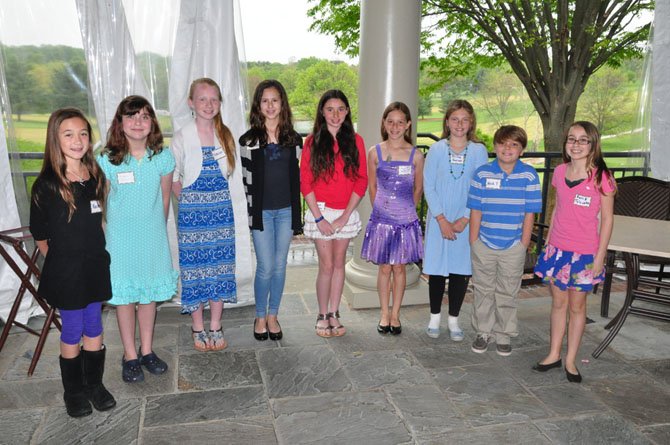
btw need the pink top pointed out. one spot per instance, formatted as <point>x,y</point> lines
<point>336,191</point>
<point>576,223</point>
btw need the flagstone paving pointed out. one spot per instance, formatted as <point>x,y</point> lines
<point>362,388</point>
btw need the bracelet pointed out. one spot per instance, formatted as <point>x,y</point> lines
<point>318,220</point>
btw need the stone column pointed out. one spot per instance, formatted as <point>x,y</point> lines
<point>660,102</point>
<point>388,71</point>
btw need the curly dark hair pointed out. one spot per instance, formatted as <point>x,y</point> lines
<point>323,154</point>
<point>116,147</point>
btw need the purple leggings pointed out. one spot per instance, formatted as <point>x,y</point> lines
<point>78,322</point>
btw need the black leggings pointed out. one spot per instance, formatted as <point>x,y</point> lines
<point>458,284</point>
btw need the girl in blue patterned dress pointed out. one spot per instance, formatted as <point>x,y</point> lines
<point>205,159</point>
<point>393,234</point>
<point>139,176</point>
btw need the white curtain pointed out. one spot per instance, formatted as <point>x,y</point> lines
<point>205,46</point>
<point>110,56</point>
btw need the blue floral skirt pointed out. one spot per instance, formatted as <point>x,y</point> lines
<point>567,270</point>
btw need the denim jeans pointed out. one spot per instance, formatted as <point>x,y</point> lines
<point>271,245</point>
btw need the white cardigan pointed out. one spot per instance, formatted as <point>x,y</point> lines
<point>187,151</point>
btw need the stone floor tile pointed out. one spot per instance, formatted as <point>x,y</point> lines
<point>165,337</point>
<point>233,312</point>
<point>512,434</point>
<point>48,366</point>
<point>374,369</point>
<point>203,406</point>
<point>120,425</point>
<point>344,418</point>
<point>31,393</point>
<point>639,400</point>
<point>487,395</point>
<point>364,337</point>
<point>634,339</point>
<point>301,371</point>
<point>449,356</point>
<point>252,430</point>
<point>567,399</point>
<point>152,384</point>
<point>425,410</point>
<point>593,429</point>
<point>18,426</point>
<point>659,369</point>
<point>292,304</point>
<point>14,346</point>
<point>211,370</point>
<point>658,434</point>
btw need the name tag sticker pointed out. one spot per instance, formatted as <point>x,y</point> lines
<point>493,183</point>
<point>404,170</point>
<point>125,177</point>
<point>582,201</point>
<point>457,158</point>
<point>321,206</point>
<point>218,153</point>
<point>95,206</point>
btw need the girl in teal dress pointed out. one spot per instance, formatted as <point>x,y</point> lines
<point>139,176</point>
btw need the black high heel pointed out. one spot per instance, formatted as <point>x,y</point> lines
<point>573,378</point>
<point>383,329</point>
<point>260,336</point>
<point>547,366</point>
<point>395,330</point>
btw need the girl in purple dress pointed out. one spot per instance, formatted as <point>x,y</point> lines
<point>393,235</point>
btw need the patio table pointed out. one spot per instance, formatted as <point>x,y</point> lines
<point>633,237</point>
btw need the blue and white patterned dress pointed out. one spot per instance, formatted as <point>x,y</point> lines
<point>206,238</point>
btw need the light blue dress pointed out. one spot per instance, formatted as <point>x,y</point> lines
<point>445,186</point>
<point>141,267</point>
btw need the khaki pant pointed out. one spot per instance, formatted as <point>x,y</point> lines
<point>496,277</point>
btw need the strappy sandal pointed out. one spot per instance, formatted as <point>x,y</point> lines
<point>337,331</point>
<point>218,342</point>
<point>323,331</point>
<point>200,340</point>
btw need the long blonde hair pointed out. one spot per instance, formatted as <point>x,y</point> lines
<point>222,132</point>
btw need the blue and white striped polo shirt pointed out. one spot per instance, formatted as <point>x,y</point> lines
<point>504,200</point>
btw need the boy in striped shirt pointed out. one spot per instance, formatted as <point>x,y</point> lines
<point>504,196</point>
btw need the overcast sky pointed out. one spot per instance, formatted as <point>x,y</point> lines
<point>275,31</point>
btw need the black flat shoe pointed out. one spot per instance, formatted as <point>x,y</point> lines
<point>395,330</point>
<point>276,335</point>
<point>573,378</point>
<point>383,329</point>
<point>260,336</point>
<point>547,366</point>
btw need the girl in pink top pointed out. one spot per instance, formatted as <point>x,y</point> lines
<point>333,179</point>
<point>572,261</point>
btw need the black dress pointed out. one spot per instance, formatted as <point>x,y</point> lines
<point>76,268</point>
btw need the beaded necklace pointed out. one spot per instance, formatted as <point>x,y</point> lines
<point>451,165</point>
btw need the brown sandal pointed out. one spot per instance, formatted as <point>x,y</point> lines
<point>200,340</point>
<point>339,330</point>
<point>323,331</point>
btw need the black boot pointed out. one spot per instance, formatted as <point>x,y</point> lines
<point>76,402</point>
<point>93,369</point>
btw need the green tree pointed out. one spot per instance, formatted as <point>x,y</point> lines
<point>553,46</point>
<point>317,79</point>
<point>425,106</point>
<point>605,100</point>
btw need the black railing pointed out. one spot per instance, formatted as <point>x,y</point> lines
<point>543,163</point>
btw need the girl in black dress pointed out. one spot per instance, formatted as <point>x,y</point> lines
<point>66,222</point>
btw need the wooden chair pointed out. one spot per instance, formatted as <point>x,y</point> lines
<point>642,197</point>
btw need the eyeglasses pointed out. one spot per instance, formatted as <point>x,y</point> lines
<point>580,141</point>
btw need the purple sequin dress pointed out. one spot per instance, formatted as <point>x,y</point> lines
<point>393,234</point>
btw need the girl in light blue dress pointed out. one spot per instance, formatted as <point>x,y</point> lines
<point>449,167</point>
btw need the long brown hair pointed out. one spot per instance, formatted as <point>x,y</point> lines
<point>54,167</point>
<point>594,160</point>
<point>404,109</point>
<point>323,155</point>
<point>460,104</point>
<point>116,147</point>
<point>222,132</point>
<point>287,136</point>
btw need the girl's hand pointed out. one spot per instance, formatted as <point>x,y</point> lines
<point>325,227</point>
<point>447,229</point>
<point>598,264</point>
<point>460,225</point>
<point>340,222</point>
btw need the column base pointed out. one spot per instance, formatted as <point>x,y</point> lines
<point>364,298</point>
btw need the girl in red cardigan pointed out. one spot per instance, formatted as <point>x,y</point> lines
<point>333,179</point>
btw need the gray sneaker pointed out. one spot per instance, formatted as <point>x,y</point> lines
<point>481,344</point>
<point>504,350</point>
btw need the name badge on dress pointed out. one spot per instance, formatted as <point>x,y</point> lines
<point>582,201</point>
<point>457,158</point>
<point>95,206</point>
<point>404,170</point>
<point>125,177</point>
<point>321,206</point>
<point>493,183</point>
<point>218,153</point>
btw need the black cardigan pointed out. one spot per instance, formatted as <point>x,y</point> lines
<point>253,167</point>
